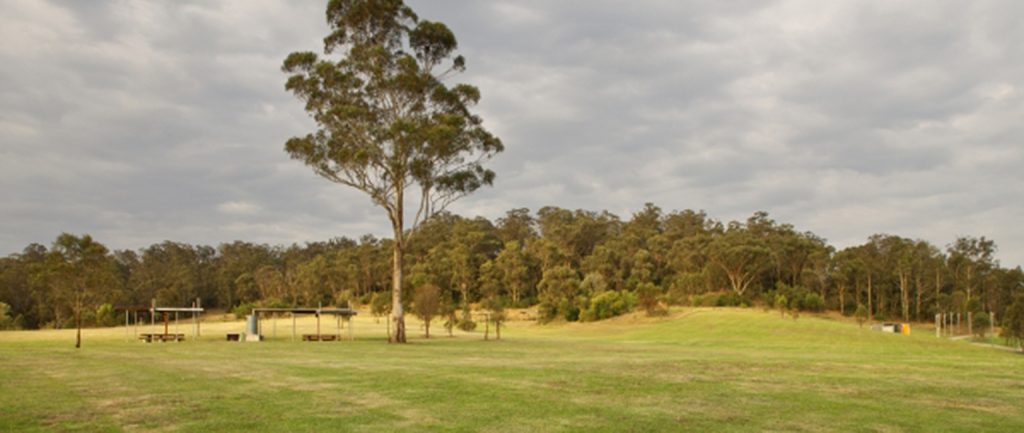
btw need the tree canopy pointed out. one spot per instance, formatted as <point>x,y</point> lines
<point>571,264</point>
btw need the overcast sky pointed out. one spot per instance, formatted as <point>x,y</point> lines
<point>142,121</point>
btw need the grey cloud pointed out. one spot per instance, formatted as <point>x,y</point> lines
<point>141,121</point>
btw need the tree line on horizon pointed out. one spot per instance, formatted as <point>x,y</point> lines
<point>570,264</point>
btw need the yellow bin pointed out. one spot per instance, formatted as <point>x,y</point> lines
<point>906,329</point>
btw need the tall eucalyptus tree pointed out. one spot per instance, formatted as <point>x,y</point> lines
<point>387,124</point>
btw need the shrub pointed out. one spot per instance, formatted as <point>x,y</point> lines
<point>729,299</point>
<point>676,296</point>
<point>88,318</point>
<point>710,300</point>
<point>345,298</point>
<point>275,303</point>
<point>973,306</point>
<point>813,302</point>
<point>466,322</point>
<point>608,304</point>
<point>781,304</point>
<point>696,300</point>
<point>570,312</point>
<point>850,307</point>
<point>980,322</point>
<point>861,314</point>
<point>547,311</point>
<point>647,296</point>
<point>524,302</point>
<point>1013,321</point>
<point>105,315</point>
<point>243,310</point>
<point>366,298</point>
<point>6,321</point>
<point>380,305</point>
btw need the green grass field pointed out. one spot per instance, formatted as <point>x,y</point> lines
<point>698,370</point>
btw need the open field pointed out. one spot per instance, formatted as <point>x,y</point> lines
<point>699,370</point>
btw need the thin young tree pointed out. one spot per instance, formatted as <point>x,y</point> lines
<point>495,307</point>
<point>83,269</point>
<point>387,124</point>
<point>1013,322</point>
<point>427,302</point>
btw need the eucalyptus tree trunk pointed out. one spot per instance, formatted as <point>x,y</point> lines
<point>842,299</point>
<point>918,285</point>
<point>970,275</point>
<point>904,280</point>
<point>871,311</point>
<point>396,290</point>
<point>78,324</point>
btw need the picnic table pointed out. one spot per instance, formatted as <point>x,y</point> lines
<point>149,338</point>
<point>320,337</point>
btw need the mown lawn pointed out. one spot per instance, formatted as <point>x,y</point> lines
<point>698,370</point>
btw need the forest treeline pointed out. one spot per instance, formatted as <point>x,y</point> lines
<point>573,264</point>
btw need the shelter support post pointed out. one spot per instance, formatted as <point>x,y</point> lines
<point>992,323</point>
<point>199,305</point>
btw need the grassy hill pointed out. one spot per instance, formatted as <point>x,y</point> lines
<point>697,370</point>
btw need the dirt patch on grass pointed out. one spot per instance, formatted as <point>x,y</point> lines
<point>988,407</point>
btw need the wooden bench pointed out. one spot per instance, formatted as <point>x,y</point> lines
<point>321,337</point>
<point>234,337</point>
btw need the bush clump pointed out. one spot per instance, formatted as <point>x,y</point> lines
<point>243,310</point>
<point>6,321</point>
<point>608,304</point>
<point>547,311</point>
<point>813,303</point>
<point>649,298</point>
<point>729,299</point>
<point>106,316</point>
<point>466,322</point>
<point>980,324</point>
